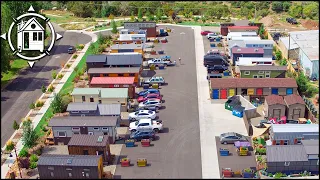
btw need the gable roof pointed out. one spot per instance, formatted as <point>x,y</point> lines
<point>293,99</point>
<point>109,109</point>
<point>100,58</point>
<point>79,121</point>
<point>85,106</point>
<point>262,68</point>
<point>242,50</point>
<point>28,22</point>
<point>114,92</point>
<point>85,91</point>
<point>274,99</point>
<point>114,70</point>
<point>112,80</point>
<point>62,160</point>
<point>220,83</point>
<point>286,153</point>
<point>124,59</point>
<point>88,140</point>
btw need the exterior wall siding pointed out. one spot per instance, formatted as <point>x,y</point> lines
<point>291,108</point>
<point>236,56</point>
<point>293,135</point>
<point>267,53</point>
<point>95,65</point>
<point>78,150</point>
<point>294,167</point>
<point>131,88</point>
<point>78,98</point>
<point>273,74</point>
<point>81,113</point>
<point>136,75</point>
<point>276,106</point>
<point>306,63</point>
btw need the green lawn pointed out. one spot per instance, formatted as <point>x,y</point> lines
<point>67,88</point>
<point>189,23</point>
<point>118,23</point>
<point>16,65</point>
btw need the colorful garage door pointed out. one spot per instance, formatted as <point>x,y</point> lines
<point>232,92</point>
<point>215,94</point>
<point>251,91</point>
<point>289,91</point>
<point>223,94</point>
<point>259,91</point>
<point>274,91</point>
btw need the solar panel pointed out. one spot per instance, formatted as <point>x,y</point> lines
<point>100,138</point>
<point>69,161</point>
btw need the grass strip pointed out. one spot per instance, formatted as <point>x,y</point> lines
<point>16,66</point>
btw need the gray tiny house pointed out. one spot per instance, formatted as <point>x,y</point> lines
<point>294,158</point>
<point>292,134</point>
<point>274,106</point>
<point>93,109</point>
<point>296,107</point>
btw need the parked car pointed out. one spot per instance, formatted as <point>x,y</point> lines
<point>158,62</point>
<point>231,137</point>
<point>149,96</point>
<point>142,114</point>
<point>148,91</point>
<point>71,50</point>
<point>291,20</point>
<point>155,80</point>
<point>150,103</point>
<point>146,125</point>
<point>215,60</point>
<point>143,135</point>
<point>217,68</point>
<point>204,33</point>
<point>166,58</point>
<point>213,36</point>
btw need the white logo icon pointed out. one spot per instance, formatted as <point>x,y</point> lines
<point>30,36</point>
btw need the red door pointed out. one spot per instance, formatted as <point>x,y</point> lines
<point>223,94</point>
<point>259,91</point>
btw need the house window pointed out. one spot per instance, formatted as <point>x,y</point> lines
<point>286,142</point>
<point>35,36</point>
<point>91,100</point>
<point>76,132</point>
<point>100,101</point>
<point>299,140</point>
<point>83,98</point>
<point>277,142</point>
<point>255,76</point>
<point>75,111</point>
<point>267,72</point>
<point>104,129</point>
<point>84,111</point>
<point>96,129</point>
<point>75,129</point>
<point>39,36</point>
<point>131,74</point>
<point>247,73</point>
<point>51,174</point>
<point>261,72</point>
<point>69,169</point>
<point>90,133</point>
<point>51,168</point>
<point>267,75</point>
<point>62,134</point>
<point>260,76</point>
<point>126,85</point>
<point>124,42</point>
<point>286,163</point>
<point>120,75</point>
<point>85,152</point>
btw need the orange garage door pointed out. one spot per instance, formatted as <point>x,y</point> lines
<point>223,94</point>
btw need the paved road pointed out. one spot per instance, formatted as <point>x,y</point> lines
<point>25,89</point>
<point>176,154</point>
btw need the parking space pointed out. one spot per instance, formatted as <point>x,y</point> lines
<point>176,153</point>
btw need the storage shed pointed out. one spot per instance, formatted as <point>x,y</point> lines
<point>274,106</point>
<point>295,106</point>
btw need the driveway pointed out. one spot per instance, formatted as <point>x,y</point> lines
<point>26,88</point>
<point>176,154</point>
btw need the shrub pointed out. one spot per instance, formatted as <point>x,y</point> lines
<point>44,129</point>
<point>68,65</point>
<point>278,55</point>
<point>76,69</point>
<point>50,88</point>
<point>60,76</point>
<point>10,146</point>
<point>32,106</point>
<point>270,175</point>
<point>43,89</point>
<point>54,74</point>
<point>24,153</point>
<point>15,125</point>
<point>34,158</point>
<point>76,79</point>
<point>311,91</point>
<point>86,78</point>
<point>39,103</point>
<point>33,165</point>
<point>261,151</point>
<point>74,56</point>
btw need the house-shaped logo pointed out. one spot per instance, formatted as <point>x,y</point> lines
<point>30,36</point>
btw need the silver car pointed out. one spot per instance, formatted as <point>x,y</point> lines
<point>231,137</point>
<point>150,103</point>
<point>155,80</point>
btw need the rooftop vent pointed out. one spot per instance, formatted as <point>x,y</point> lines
<point>256,50</point>
<point>238,50</point>
<point>100,139</point>
<point>69,161</point>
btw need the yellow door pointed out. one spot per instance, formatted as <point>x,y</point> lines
<point>231,92</point>
<point>251,91</point>
<point>113,75</point>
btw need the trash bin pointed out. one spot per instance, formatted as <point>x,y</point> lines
<point>155,86</point>
<point>152,67</point>
<point>125,162</point>
<point>142,162</point>
<point>130,143</point>
<point>212,45</point>
<point>161,67</point>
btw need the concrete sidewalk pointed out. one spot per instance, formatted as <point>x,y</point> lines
<point>8,163</point>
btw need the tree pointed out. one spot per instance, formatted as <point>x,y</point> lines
<point>15,125</point>
<point>311,10</point>
<point>295,11</point>
<point>277,6</point>
<point>140,16</point>
<point>283,62</point>
<point>278,55</point>
<point>132,16</point>
<point>302,82</point>
<point>159,13</point>
<point>149,16</point>
<point>29,136</point>
<point>57,105</point>
<point>81,9</point>
<point>286,6</point>
<point>114,27</point>
<point>261,31</point>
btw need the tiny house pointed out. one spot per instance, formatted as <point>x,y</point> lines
<point>115,72</point>
<point>296,107</point>
<point>125,48</point>
<point>274,106</point>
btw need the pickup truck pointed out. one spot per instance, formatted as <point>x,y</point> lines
<point>146,125</point>
<point>158,62</point>
<point>155,80</point>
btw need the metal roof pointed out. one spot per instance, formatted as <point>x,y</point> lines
<point>112,80</point>
<point>262,41</point>
<point>69,160</point>
<point>243,27</point>
<point>243,50</point>
<point>307,128</point>
<point>262,68</point>
<point>125,37</point>
<point>285,41</point>
<point>245,38</point>
<point>97,58</point>
<point>274,99</point>
<point>286,153</point>
<point>246,33</point>
<point>114,70</point>
<point>257,59</point>
<point>88,140</point>
<point>114,92</point>
<point>293,99</point>
<point>109,109</point>
<point>85,91</point>
<point>127,46</point>
<point>85,106</point>
<point>311,146</point>
<point>124,59</point>
<point>87,121</point>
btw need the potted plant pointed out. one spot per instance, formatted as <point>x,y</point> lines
<point>226,172</point>
<point>237,174</point>
<point>247,173</point>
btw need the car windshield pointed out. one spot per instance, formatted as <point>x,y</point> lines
<point>136,113</point>
<point>150,112</point>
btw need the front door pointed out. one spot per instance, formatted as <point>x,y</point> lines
<point>26,40</point>
<point>276,113</point>
<point>296,114</point>
<point>83,130</point>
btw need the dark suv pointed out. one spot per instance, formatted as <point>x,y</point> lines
<point>217,68</point>
<point>143,135</point>
<point>291,20</point>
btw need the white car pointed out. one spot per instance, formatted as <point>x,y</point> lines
<point>150,103</point>
<point>158,62</point>
<point>146,125</point>
<point>142,114</point>
<point>213,36</point>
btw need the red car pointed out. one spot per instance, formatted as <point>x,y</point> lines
<point>204,33</point>
<point>149,96</point>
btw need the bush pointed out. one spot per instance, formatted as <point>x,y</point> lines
<point>75,56</point>
<point>39,103</point>
<point>90,19</point>
<point>311,91</point>
<point>10,146</point>
<point>24,162</point>
<point>15,125</point>
<point>43,89</point>
<point>80,46</point>
<point>54,74</point>
<point>32,106</point>
<point>86,78</point>
<point>24,153</point>
<point>68,65</point>
<point>44,129</point>
<point>261,151</point>
<point>34,158</point>
<point>278,55</point>
<point>60,76</point>
<point>76,69</point>
<point>33,165</point>
<point>50,88</point>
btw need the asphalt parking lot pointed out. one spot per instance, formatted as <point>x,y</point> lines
<point>176,153</point>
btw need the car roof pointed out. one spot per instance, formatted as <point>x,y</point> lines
<point>147,120</point>
<point>152,94</point>
<point>154,100</point>
<point>144,111</point>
